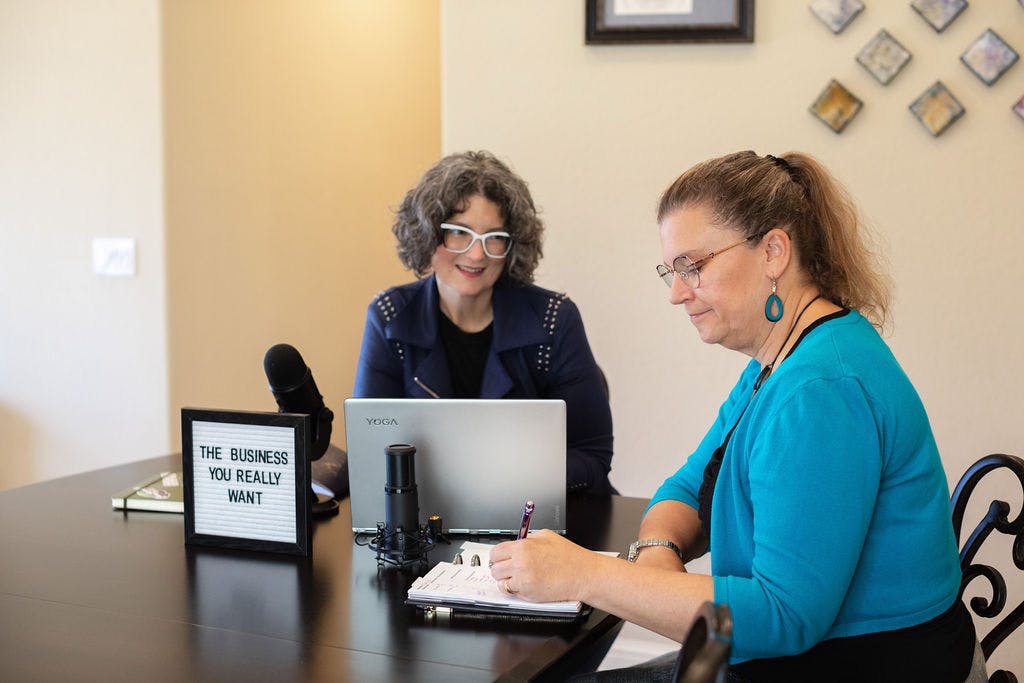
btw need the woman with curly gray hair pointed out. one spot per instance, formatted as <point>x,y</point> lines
<point>474,325</point>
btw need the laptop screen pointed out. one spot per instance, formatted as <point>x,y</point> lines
<point>477,460</point>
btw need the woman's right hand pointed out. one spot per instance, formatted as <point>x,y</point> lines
<point>542,567</point>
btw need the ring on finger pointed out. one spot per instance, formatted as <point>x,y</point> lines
<point>508,589</point>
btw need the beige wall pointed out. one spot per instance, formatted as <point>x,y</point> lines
<point>291,131</point>
<point>83,378</point>
<point>263,142</point>
<point>600,131</point>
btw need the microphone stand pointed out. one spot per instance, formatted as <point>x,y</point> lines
<point>333,460</point>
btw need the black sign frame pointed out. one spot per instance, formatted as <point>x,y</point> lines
<point>300,424</point>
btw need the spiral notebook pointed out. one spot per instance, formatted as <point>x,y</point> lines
<point>464,587</point>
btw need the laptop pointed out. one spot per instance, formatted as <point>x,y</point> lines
<point>477,461</point>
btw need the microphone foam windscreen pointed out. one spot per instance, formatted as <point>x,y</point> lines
<point>284,367</point>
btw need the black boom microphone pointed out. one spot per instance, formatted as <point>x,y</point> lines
<point>293,387</point>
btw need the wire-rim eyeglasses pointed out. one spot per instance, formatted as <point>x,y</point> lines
<point>689,270</point>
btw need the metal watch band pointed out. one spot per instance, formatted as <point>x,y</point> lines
<point>634,549</point>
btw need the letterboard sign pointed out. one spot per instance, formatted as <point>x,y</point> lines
<point>247,480</point>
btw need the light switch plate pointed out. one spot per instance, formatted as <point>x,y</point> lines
<point>113,256</point>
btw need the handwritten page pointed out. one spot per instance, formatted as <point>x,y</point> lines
<point>483,550</point>
<point>477,548</point>
<point>463,584</point>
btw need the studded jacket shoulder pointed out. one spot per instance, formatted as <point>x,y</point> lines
<point>539,350</point>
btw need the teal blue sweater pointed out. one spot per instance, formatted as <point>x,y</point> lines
<point>831,514</point>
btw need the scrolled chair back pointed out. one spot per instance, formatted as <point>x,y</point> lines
<point>704,654</point>
<point>996,519</point>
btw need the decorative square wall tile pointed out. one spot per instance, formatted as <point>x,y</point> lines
<point>989,57</point>
<point>939,13</point>
<point>836,14</point>
<point>1018,108</point>
<point>883,57</point>
<point>937,109</point>
<point>836,106</point>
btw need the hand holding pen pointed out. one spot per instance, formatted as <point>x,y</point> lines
<point>547,568</point>
<point>524,528</point>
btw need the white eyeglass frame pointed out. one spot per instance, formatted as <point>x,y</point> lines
<point>474,238</point>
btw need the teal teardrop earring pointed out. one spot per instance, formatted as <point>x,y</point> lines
<point>773,306</point>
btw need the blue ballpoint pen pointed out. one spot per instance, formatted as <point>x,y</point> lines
<point>524,526</point>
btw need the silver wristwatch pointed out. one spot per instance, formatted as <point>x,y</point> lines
<point>634,549</point>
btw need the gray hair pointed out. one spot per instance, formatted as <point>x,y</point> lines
<point>443,191</point>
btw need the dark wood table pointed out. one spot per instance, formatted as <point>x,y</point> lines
<point>89,593</point>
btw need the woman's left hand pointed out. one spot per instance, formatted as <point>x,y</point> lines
<point>543,567</point>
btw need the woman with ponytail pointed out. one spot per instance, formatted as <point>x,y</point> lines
<point>818,490</point>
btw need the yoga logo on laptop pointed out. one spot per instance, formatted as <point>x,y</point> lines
<point>382,421</point>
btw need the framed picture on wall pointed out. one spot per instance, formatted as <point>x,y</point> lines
<point>836,106</point>
<point>883,57</point>
<point>939,13</point>
<point>989,57</point>
<point>937,109</point>
<point>836,14</point>
<point>669,21</point>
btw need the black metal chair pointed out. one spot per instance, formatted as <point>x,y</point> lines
<point>996,519</point>
<point>704,654</point>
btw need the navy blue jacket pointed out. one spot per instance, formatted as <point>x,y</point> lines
<point>539,350</point>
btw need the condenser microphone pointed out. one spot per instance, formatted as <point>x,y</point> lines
<point>401,500</point>
<point>293,387</point>
<point>400,540</point>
